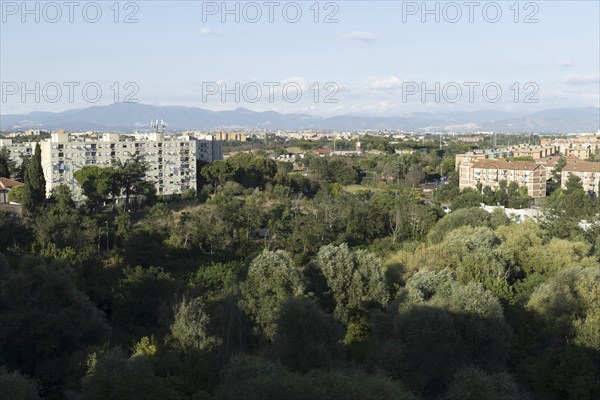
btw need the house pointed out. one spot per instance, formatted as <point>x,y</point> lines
<point>6,185</point>
<point>322,151</point>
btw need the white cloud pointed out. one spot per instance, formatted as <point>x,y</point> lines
<point>578,79</point>
<point>565,63</point>
<point>366,37</point>
<point>209,31</point>
<point>393,82</point>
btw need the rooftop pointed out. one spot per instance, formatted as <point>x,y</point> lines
<point>6,183</point>
<point>582,166</point>
<point>503,164</point>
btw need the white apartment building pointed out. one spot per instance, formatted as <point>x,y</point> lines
<point>18,150</point>
<point>172,161</point>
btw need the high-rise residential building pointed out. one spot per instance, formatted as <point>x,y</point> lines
<point>172,160</point>
<point>491,172</point>
<point>588,172</point>
<point>18,149</point>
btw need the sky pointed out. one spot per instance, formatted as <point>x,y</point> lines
<point>323,58</point>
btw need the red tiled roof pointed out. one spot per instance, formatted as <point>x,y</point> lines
<point>6,183</point>
<point>502,164</point>
<point>582,166</point>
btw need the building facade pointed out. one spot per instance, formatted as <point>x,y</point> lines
<point>535,152</point>
<point>231,136</point>
<point>491,172</point>
<point>580,146</point>
<point>588,172</point>
<point>171,161</point>
<point>472,156</point>
<point>18,150</point>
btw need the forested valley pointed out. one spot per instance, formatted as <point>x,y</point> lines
<point>273,284</point>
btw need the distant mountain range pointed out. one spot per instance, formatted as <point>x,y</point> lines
<point>129,117</point>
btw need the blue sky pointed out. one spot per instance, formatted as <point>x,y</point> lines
<point>378,57</point>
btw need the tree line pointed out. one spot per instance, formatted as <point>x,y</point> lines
<point>278,284</point>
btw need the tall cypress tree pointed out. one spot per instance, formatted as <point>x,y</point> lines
<point>34,192</point>
<point>4,162</point>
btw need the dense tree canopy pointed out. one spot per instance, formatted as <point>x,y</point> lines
<point>326,278</point>
<point>272,278</point>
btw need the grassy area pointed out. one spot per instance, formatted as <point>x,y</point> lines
<point>295,150</point>
<point>361,188</point>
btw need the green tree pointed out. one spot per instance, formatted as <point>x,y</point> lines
<point>423,285</point>
<point>355,279</point>
<point>61,232</point>
<point>501,193</point>
<point>5,163</point>
<point>418,344</point>
<point>16,194</point>
<point>249,170</point>
<point>306,337</point>
<point>62,196</point>
<point>479,319</point>
<point>34,193</point>
<point>473,384</point>
<point>517,196</point>
<point>44,319</point>
<point>141,300</point>
<point>555,180</point>
<point>115,376</point>
<point>189,330</point>
<point>488,196</point>
<point>576,202</point>
<point>19,171</point>
<point>130,177</point>
<point>562,360</point>
<point>15,386</point>
<point>466,216</point>
<point>272,278</point>
<point>468,198</point>
<point>253,378</point>
<point>97,183</point>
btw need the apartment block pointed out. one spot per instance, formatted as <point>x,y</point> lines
<point>479,155</point>
<point>581,146</point>
<point>535,152</point>
<point>172,161</point>
<point>551,162</point>
<point>588,172</point>
<point>231,136</point>
<point>491,172</point>
<point>18,150</point>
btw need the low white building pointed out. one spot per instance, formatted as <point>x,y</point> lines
<point>517,215</point>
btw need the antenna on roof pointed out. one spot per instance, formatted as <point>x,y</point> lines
<point>159,127</point>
